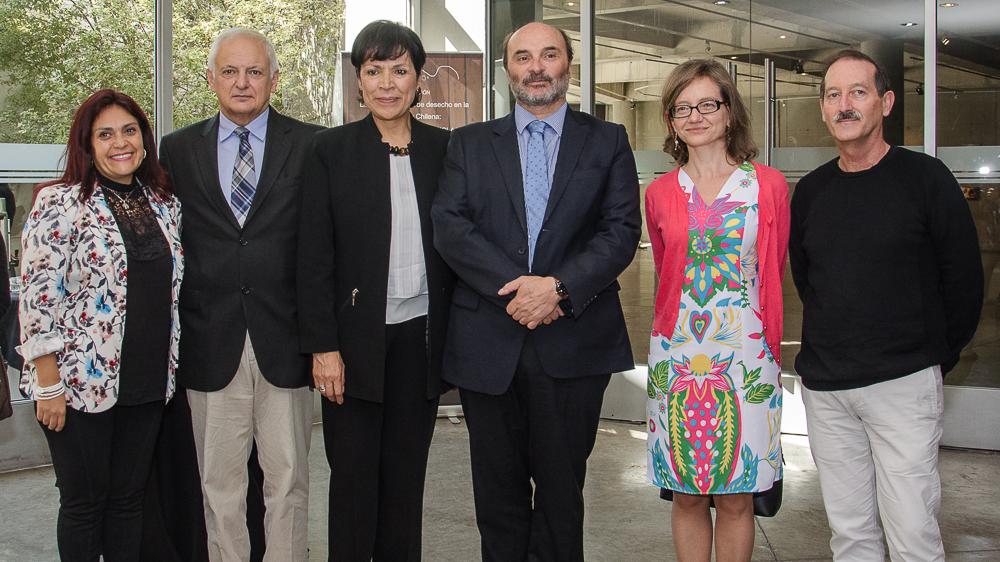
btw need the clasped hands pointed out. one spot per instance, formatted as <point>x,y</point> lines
<point>535,300</point>
<point>535,303</point>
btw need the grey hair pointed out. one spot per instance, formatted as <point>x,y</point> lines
<point>234,32</point>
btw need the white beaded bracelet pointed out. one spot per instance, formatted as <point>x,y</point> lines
<point>49,392</point>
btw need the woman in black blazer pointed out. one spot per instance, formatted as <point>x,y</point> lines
<point>373,300</point>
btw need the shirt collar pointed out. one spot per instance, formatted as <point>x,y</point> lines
<point>257,127</point>
<point>522,117</point>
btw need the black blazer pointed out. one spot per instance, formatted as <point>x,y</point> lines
<point>238,279</point>
<point>344,247</point>
<point>589,236</point>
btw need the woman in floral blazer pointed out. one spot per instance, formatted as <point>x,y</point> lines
<point>102,269</point>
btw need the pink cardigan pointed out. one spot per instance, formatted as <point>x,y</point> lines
<point>667,222</point>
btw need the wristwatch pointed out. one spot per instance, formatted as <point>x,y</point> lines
<point>561,290</point>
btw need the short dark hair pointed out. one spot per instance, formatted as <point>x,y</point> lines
<point>565,36</point>
<point>80,147</point>
<point>881,78</point>
<point>387,40</point>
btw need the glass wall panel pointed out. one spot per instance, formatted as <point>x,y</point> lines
<point>308,38</point>
<point>968,108</point>
<point>638,44</point>
<point>800,37</point>
<point>53,55</point>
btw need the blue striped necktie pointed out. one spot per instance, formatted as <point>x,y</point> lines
<point>244,177</point>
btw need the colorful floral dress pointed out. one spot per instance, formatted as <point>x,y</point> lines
<point>714,408</point>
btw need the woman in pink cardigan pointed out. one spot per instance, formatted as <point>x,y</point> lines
<point>718,224</point>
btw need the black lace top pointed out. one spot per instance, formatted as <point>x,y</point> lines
<point>146,344</point>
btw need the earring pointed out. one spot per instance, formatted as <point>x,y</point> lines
<point>677,144</point>
<point>143,154</point>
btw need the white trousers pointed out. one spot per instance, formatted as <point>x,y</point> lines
<point>876,449</point>
<point>226,423</point>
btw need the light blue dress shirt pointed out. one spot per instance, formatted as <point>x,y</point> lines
<point>553,134</point>
<point>229,150</point>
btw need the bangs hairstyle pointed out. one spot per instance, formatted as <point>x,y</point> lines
<point>386,40</point>
<point>739,144</point>
<point>881,78</point>
<point>565,36</point>
<point>80,147</point>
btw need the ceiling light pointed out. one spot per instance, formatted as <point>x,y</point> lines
<point>571,4</point>
<point>909,24</point>
<point>984,170</point>
<point>948,4</point>
<point>782,37</point>
<point>721,2</point>
<point>945,40</point>
<point>734,57</point>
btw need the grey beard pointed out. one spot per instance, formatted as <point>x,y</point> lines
<point>558,91</point>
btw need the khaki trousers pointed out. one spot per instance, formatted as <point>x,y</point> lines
<point>876,450</point>
<point>226,423</point>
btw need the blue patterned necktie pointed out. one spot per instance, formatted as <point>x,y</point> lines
<point>536,184</point>
<point>244,177</point>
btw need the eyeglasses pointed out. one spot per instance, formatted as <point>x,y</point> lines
<point>704,108</point>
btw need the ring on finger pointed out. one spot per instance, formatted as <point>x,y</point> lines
<point>322,388</point>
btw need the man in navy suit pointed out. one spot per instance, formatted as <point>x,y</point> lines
<point>538,214</point>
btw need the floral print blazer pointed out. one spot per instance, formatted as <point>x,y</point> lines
<point>73,292</point>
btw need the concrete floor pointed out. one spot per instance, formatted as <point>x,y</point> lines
<point>626,521</point>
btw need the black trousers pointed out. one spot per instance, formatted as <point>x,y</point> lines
<point>102,462</point>
<point>378,457</point>
<point>540,431</point>
<point>173,518</point>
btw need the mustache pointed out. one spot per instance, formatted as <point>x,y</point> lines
<point>849,114</point>
<point>535,77</point>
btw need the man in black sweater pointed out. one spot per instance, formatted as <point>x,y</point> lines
<point>886,261</point>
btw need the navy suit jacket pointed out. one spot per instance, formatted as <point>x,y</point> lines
<point>589,236</point>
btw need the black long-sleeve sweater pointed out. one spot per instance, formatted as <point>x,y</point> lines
<point>886,262</point>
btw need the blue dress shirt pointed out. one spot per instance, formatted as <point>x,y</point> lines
<point>229,149</point>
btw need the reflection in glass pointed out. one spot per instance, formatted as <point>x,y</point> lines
<point>55,54</point>
<point>307,41</point>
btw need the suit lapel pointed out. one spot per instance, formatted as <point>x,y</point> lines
<point>509,158</point>
<point>574,137</point>
<point>373,155</point>
<point>207,153</point>
<point>424,179</point>
<point>276,151</point>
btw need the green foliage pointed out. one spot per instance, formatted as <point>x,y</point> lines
<point>659,377</point>
<point>749,377</point>
<point>758,393</point>
<point>55,53</point>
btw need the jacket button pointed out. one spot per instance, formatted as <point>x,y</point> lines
<point>243,242</point>
<point>520,251</point>
<point>245,290</point>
